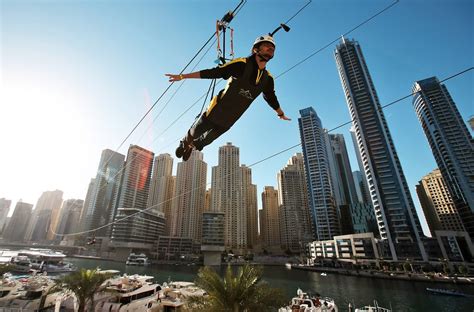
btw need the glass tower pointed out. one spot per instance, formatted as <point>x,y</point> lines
<point>397,220</point>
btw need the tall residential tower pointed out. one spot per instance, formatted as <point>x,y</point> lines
<point>451,143</point>
<point>397,219</point>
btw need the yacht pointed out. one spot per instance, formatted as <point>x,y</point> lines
<point>137,259</point>
<point>307,303</point>
<point>27,294</point>
<point>173,295</point>
<point>47,260</point>
<point>129,293</point>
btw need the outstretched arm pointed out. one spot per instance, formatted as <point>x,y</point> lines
<point>174,78</point>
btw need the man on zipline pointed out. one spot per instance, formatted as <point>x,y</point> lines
<point>247,78</point>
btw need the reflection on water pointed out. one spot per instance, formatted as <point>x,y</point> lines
<point>401,295</point>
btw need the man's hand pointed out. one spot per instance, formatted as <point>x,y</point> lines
<point>174,78</point>
<point>281,114</point>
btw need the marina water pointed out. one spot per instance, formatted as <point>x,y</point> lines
<point>400,295</point>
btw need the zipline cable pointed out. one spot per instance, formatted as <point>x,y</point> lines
<point>253,164</point>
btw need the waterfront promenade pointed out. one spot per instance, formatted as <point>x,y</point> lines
<point>391,275</point>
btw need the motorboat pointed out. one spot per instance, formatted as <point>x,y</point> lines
<point>310,303</point>
<point>448,292</point>
<point>137,259</point>
<point>374,308</point>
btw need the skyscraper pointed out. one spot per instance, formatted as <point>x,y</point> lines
<point>4,209</point>
<point>162,188</point>
<point>15,230</point>
<point>141,230</point>
<point>340,169</point>
<point>322,201</point>
<point>249,196</point>
<point>397,219</point>
<point>295,219</point>
<point>270,220</point>
<point>104,195</point>
<point>136,178</point>
<point>227,197</point>
<point>45,218</point>
<point>189,200</point>
<point>69,218</point>
<point>451,143</point>
<point>437,204</point>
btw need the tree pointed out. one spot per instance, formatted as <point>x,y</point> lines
<point>243,292</point>
<point>84,284</point>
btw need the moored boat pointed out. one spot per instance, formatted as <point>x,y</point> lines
<point>137,259</point>
<point>310,303</point>
<point>374,308</point>
<point>448,292</point>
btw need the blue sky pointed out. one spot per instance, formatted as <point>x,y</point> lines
<point>76,76</point>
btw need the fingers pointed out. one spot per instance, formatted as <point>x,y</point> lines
<point>172,78</point>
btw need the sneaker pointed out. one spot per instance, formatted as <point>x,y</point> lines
<point>187,152</point>
<point>180,149</point>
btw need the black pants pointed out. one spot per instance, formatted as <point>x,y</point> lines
<point>204,132</point>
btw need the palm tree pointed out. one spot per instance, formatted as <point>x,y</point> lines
<point>84,284</point>
<point>242,292</point>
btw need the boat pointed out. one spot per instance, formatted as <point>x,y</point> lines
<point>27,294</point>
<point>324,274</point>
<point>47,260</point>
<point>129,293</point>
<point>309,303</point>
<point>288,266</point>
<point>21,264</point>
<point>448,292</point>
<point>374,308</point>
<point>137,259</point>
<point>173,295</point>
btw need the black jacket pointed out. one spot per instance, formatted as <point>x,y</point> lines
<point>245,83</point>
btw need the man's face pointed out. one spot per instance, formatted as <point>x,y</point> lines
<point>266,49</point>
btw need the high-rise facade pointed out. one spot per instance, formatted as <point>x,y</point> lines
<point>249,195</point>
<point>295,218</point>
<point>137,229</point>
<point>141,229</point>
<point>270,219</point>
<point>451,143</point>
<point>15,230</point>
<point>136,178</point>
<point>440,212</point>
<point>87,204</point>
<point>227,197</point>
<point>101,209</point>
<point>340,169</point>
<point>162,188</point>
<point>46,216</point>
<point>189,200</point>
<point>398,222</point>
<point>69,219</point>
<point>322,201</point>
<point>4,209</point>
